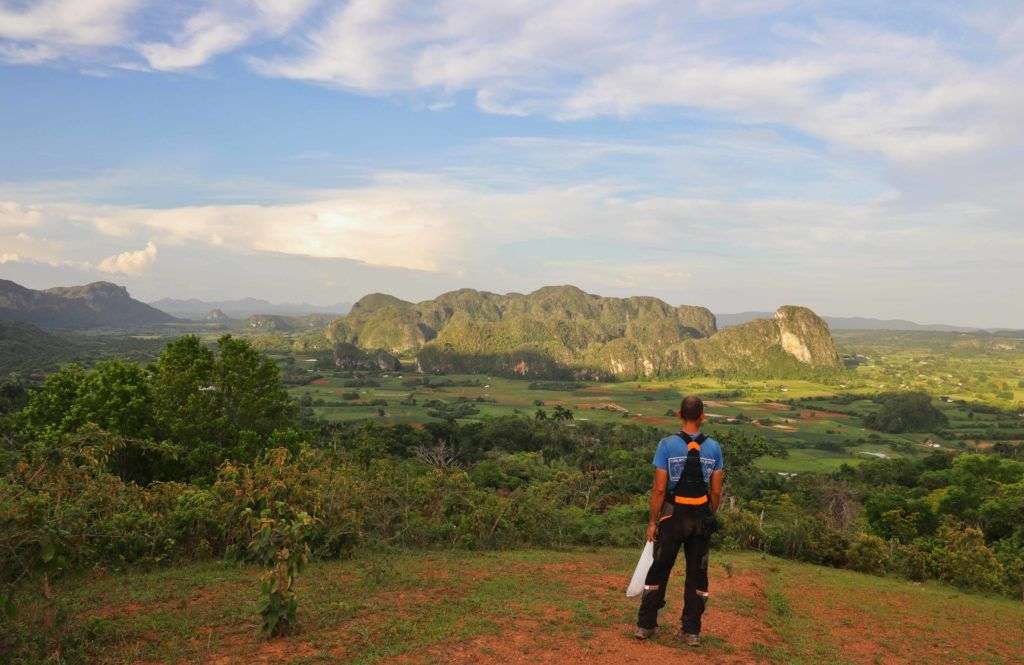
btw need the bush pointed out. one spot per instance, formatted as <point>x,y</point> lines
<point>913,562</point>
<point>868,554</point>
<point>965,561</point>
<point>741,529</point>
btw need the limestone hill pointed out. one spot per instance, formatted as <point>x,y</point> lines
<point>560,330</point>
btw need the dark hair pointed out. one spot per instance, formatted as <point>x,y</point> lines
<point>692,408</point>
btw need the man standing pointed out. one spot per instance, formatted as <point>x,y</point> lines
<point>687,490</point>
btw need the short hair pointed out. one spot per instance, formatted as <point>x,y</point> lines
<point>691,408</point>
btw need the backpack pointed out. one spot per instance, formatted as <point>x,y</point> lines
<point>691,490</point>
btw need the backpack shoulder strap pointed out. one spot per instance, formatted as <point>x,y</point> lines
<point>687,439</point>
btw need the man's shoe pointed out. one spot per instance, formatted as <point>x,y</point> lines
<point>691,640</point>
<point>643,633</point>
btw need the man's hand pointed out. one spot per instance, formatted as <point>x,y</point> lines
<point>652,529</point>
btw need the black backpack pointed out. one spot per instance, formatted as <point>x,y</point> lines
<point>691,490</point>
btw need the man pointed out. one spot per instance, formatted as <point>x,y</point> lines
<point>687,490</point>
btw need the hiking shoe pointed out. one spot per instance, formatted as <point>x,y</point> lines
<point>643,633</point>
<point>691,640</point>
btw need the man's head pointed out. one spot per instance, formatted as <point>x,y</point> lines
<point>691,410</point>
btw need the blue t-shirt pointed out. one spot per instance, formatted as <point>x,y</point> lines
<point>671,456</point>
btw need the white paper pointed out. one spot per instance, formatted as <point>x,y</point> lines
<point>636,585</point>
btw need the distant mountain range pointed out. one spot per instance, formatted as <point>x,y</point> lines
<point>193,308</point>
<point>563,331</point>
<point>849,323</point>
<point>96,305</point>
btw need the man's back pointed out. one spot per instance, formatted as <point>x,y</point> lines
<point>671,455</point>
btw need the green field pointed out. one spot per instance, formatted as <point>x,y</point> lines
<point>821,432</point>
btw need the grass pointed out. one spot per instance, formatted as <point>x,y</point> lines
<point>528,605</point>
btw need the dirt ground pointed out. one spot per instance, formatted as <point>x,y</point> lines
<point>543,607</point>
<point>730,635</point>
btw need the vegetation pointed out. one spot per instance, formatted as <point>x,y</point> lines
<point>203,455</point>
<point>906,412</point>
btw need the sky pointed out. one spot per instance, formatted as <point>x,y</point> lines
<point>859,158</point>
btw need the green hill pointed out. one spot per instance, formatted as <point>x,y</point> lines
<point>562,331</point>
<point>524,606</point>
<point>26,348</point>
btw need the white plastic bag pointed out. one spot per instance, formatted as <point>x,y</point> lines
<point>636,585</point>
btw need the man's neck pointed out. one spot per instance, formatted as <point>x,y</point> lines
<point>692,429</point>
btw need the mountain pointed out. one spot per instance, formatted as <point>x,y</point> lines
<point>96,305</point>
<point>850,323</point>
<point>560,330</point>
<point>243,308</point>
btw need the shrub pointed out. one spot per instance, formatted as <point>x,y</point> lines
<point>913,562</point>
<point>965,561</point>
<point>868,554</point>
<point>741,529</point>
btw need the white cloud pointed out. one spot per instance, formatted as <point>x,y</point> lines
<point>222,28</point>
<point>130,263</point>
<point>15,216</point>
<point>47,29</point>
<point>437,224</point>
<point>878,84</point>
<point>856,84</point>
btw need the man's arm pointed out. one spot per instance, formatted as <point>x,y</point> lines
<point>657,499</point>
<point>717,479</point>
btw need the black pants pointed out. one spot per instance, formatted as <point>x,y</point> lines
<point>684,528</point>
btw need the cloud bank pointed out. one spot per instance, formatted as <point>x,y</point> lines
<point>868,81</point>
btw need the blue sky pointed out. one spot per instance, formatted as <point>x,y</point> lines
<point>859,158</point>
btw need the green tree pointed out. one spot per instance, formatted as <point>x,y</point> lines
<point>906,412</point>
<point>218,405</point>
<point>249,390</point>
<point>117,396</point>
<point>561,413</point>
<point>51,408</point>
<point>184,392</point>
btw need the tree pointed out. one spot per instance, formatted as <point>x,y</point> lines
<point>50,408</point>
<point>741,450</point>
<point>906,412</point>
<point>249,390</point>
<point>184,392</point>
<point>218,405</point>
<point>117,397</point>
<point>561,413</point>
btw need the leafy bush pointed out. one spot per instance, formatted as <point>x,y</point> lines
<point>965,561</point>
<point>868,554</point>
<point>741,529</point>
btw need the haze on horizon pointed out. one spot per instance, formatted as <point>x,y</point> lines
<point>862,161</point>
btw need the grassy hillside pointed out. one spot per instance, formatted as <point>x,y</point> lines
<point>527,606</point>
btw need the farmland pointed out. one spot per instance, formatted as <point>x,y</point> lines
<point>974,381</point>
